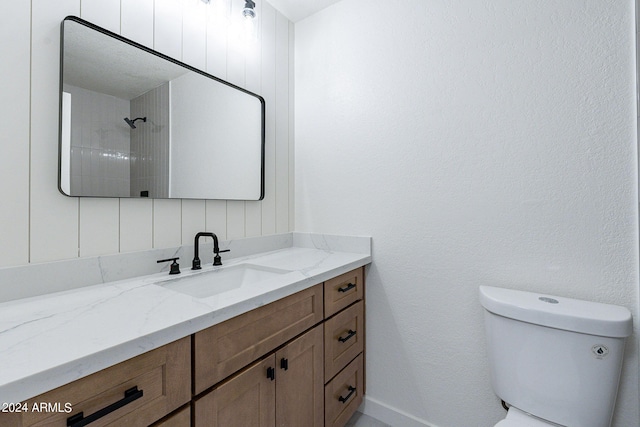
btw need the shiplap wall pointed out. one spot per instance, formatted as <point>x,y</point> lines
<point>37,223</point>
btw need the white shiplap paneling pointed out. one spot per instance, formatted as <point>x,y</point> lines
<point>268,78</point>
<point>282,123</point>
<point>167,223</point>
<point>216,210</point>
<point>105,13</point>
<point>167,214</point>
<point>253,83</point>
<point>235,74</point>
<point>53,217</point>
<point>99,218</point>
<point>38,223</point>
<point>194,35</point>
<point>137,21</point>
<point>99,228</point>
<point>14,140</point>
<point>167,35</point>
<point>193,219</point>
<point>136,225</point>
<point>136,215</point>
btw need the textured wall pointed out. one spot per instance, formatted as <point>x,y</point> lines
<point>37,223</point>
<point>478,142</point>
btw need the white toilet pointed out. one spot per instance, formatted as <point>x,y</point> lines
<point>556,361</point>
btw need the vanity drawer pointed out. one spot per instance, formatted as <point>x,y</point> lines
<point>342,291</point>
<point>343,339</point>
<point>136,392</point>
<point>223,349</point>
<point>343,395</point>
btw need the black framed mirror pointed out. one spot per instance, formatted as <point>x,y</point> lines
<point>137,123</point>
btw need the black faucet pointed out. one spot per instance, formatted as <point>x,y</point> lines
<point>195,264</point>
<point>175,267</point>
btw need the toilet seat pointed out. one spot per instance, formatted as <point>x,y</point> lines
<point>518,418</point>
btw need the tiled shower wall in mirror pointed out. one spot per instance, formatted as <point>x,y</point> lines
<point>100,156</point>
<point>37,223</point>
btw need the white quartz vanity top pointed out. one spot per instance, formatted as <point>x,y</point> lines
<point>51,340</point>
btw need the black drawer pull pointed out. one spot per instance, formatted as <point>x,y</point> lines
<point>271,374</point>
<point>347,288</point>
<point>351,391</point>
<point>284,363</point>
<point>350,335</point>
<point>78,420</point>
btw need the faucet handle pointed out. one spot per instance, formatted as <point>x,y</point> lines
<point>217,260</point>
<point>175,267</point>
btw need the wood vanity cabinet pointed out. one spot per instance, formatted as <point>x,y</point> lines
<point>284,389</point>
<point>136,392</point>
<point>223,349</point>
<point>343,346</point>
<point>297,362</point>
<point>250,371</point>
<point>181,418</point>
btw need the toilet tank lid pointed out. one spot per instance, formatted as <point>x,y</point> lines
<point>569,314</point>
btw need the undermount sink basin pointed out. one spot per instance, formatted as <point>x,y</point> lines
<point>222,280</point>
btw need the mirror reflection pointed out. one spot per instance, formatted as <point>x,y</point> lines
<point>135,123</point>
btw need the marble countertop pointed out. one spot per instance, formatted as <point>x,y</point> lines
<point>50,340</point>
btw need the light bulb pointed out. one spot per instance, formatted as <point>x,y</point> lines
<point>249,9</point>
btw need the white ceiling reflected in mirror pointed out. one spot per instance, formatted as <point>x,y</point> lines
<point>136,123</point>
<point>297,10</point>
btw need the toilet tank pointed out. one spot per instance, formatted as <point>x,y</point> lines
<point>556,358</point>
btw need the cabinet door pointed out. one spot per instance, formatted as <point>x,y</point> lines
<point>181,418</point>
<point>299,384</point>
<point>245,400</point>
<point>225,348</point>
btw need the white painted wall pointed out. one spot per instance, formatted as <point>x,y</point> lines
<point>479,143</point>
<point>37,223</point>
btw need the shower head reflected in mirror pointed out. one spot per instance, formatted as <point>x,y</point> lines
<point>131,122</point>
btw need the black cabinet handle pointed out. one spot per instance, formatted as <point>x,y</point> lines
<point>78,420</point>
<point>351,391</point>
<point>284,363</point>
<point>350,335</point>
<point>347,288</point>
<point>271,374</point>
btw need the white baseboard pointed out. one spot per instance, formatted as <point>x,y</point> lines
<point>389,415</point>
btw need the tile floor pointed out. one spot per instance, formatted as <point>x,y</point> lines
<point>361,420</point>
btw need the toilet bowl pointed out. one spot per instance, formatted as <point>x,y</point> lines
<point>555,361</point>
<point>518,418</point>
